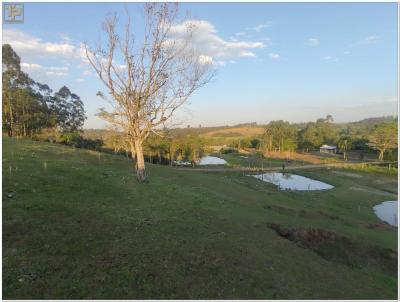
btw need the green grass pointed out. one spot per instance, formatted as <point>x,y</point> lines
<point>76,225</point>
<point>375,169</point>
<point>239,160</point>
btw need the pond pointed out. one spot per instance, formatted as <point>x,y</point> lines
<point>287,181</point>
<point>387,211</point>
<point>211,160</point>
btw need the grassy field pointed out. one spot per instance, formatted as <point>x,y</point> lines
<point>236,132</point>
<point>77,225</point>
<point>254,161</point>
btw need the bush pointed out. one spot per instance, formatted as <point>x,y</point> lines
<point>51,135</point>
<point>74,139</point>
<point>255,143</point>
<point>228,150</point>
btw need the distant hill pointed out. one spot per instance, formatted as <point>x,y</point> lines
<point>236,131</point>
<point>243,130</point>
<point>375,120</point>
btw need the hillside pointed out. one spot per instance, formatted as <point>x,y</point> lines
<point>243,130</point>
<point>236,131</point>
<point>375,120</point>
<point>76,225</point>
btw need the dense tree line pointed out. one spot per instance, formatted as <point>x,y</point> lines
<point>283,136</point>
<point>30,107</point>
<point>169,149</point>
<point>373,134</point>
<point>166,148</point>
<point>279,136</point>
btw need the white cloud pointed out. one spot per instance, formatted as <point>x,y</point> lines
<point>266,39</point>
<point>367,41</point>
<point>219,63</point>
<point>55,73</point>
<point>274,55</point>
<point>370,40</point>
<point>205,59</point>
<point>331,59</point>
<point>30,47</point>
<point>209,60</point>
<point>346,52</point>
<point>30,66</point>
<point>206,41</point>
<point>64,37</point>
<point>40,70</point>
<point>312,42</point>
<point>259,27</point>
<point>80,80</point>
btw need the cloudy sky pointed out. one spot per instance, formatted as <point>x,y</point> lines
<point>274,61</point>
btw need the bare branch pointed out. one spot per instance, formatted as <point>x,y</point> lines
<point>153,79</point>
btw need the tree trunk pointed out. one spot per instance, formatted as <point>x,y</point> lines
<point>170,157</point>
<point>140,166</point>
<point>11,120</point>
<point>381,154</point>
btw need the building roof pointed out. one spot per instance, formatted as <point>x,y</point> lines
<point>328,147</point>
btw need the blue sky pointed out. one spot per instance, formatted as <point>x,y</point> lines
<point>274,61</point>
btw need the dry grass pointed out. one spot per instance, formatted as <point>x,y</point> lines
<point>243,131</point>
<point>305,157</point>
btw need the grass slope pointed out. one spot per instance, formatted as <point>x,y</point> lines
<point>77,225</point>
<point>236,132</point>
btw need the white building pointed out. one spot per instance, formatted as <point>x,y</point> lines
<point>328,149</point>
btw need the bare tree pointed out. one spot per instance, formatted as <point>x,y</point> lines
<point>150,80</point>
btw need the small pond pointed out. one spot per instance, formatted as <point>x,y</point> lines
<point>211,160</point>
<point>287,181</point>
<point>387,211</point>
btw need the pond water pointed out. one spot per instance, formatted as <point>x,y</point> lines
<point>387,211</point>
<point>287,181</point>
<point>211,160</point>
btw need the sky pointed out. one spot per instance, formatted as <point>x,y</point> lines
<point>296,62</point>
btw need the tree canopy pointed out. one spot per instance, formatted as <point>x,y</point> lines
<point>29,106</point>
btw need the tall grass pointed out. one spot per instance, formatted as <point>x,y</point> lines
<point>388,169</point>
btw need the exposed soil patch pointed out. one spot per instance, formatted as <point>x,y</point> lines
<point>336,248</point>
<point>305,157</point>
<point>381,226</point>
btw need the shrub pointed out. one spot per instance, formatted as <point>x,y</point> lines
<point>76,140</point>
